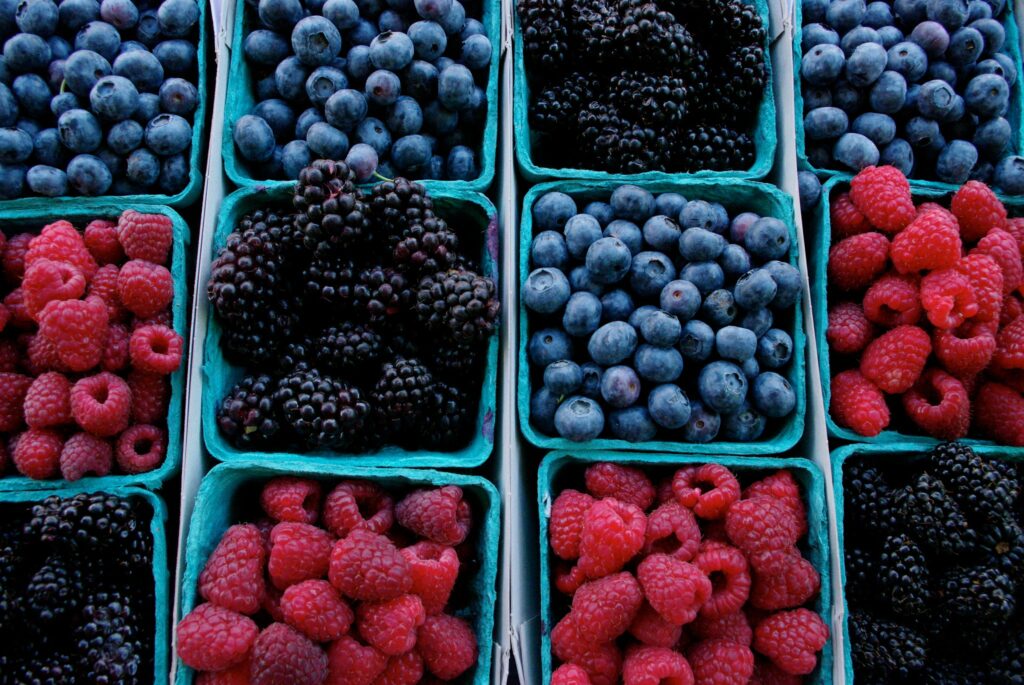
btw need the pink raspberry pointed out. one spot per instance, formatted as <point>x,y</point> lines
<point>85,454</point>
<point>405,669</point>
<point>675,589</point>
<point>48,401</point>
<point>37,453</point>
<point>931,241</point>
<point>151,393</point>
<point>434,569</point>
<point>726,567</point>
<point>211,638</point>
<point>624,483</point>
<point>141,448</point>
<point>14,257</point>
<point>156,349</point>
<point>447,645</point>
<point>649,628</point>
<point>145,288</point>
<point>882,194</point>
<point>569,674</point>
<point>1000,246</point>
<point>61,242</point>
<point>315,608</point>
<point>948,298</point>
<point>986,279</point>
<point>391,626</point>
<point>655,666</point>
<point>351,663</point>
<point>282,654</point>
<point>721,662</point>
<point>46,281</point>
<point>855,262</point>
<point>344,507</point>
<point>565,526</point>
<point>100,404</point>
<point>368,567</point>
<point>894,360</point>
<point>849,330</point>
<point>782,486</point>
<point>1009,352</point>
<point>298,552</point>
<point>568,579</point>
<point>782,580</point>
<point>100,239</point>
<point>792,640</point>
<point>104,286</point>
<point>233,575</point>
<point>145,236</point>
<point>78,329</point>
<point>673,530</point>
<point>709,489</point>
<point>288,498</point>
<point>13,388</point>
<point>734,627</point>
<point>115,355</point>
<point>440,515</point>
<point>761,524</point>
<point>605,608</point>
<point>613,533</point>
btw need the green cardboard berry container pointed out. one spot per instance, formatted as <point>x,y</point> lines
<point>32,221</point>
<point>737,196</point>
<point>162,590</point>
<point>561,470</point>
<point>230,493</point>
<point>764,134</point>
<point>219,375</point>
<point>241,98</point>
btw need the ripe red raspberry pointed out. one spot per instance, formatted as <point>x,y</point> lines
<point>151,393</point>
<point>47,280</point>
<point>78,329</point>
<point>931,241</point>
<point>85,454</point>
<point>368,567</point>
<point>845,218</point>
<point>999,413</point>
<point>650,628</point>
<point>434,569</point>
<point>344,507</point>
<point>145,236</point>
<point>13,388</point>
<point>288,498</point>
<point>41,356</point>
<point>14,257</point>
<point>767,673</point>
<point>405,669</point>
<point>61,242</point>
<point>352,663</point>
<point>565,525</point>
<point>9,355</point>
<point>792,640</point>
<point>156,349</point>
<point>100,238</point>
<point>948,298</point>
<point>782,580</point>
<point>1012,308</point>
<point>734,627</point>
<point>568,579</point>
<point>675,589</point>
<point>282,655</point>
<point>447,645</point>
<point>233,575</point>
<point>569,674</point>
<point>17,315</point>
<point>709,489</point>
<point>882,194</point>
<point>48,401</point>
<point>855,262</point>
<point>104,286</point>
<point>761,524</point>
<point>624,483</point>
<point>211,638</point>
<point>236,675</point>
<point>115,355</point>
<point>162,318</point>
<point>298,552</point>
<point>604,608</point>
<point>37,453</point>
<point>391,626</point>
<point>613,533</point>
<point>849,330</point>
<point>727,567</point>
<point>939,405</point>
<point>100,404</point>
<point>782,486</point>
<point>894,360</point>
<point>893,300</point>
<point>721,662</point>
<point>145,288</point>
<point>603,663</point>
<point>977,209</point>
<point>1000,246</point>
<point>986,279</point>
<point>440,514</point>
<point>672,529</point>
<point>858,404</point>
<point>314,608</point>
<point>1009,352</point>
<point>655,666</point>
<point>5,316</point>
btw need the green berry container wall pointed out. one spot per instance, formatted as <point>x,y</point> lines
<point>737,196</point>
<point>1015,116</point>
<point>230,492</point>
<point>32,221</point>
<point>162,590</point>
<point>460,208</point>
<point>561,470</point>
<point>241,98</point>
<point>764,134</point>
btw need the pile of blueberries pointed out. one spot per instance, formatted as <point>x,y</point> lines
<point>393,87</point>
<point>97,97</point>
<point>657,316</point>
<point>923,85</point>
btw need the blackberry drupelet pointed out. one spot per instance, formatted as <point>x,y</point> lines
<point>350,349</point>
<point>114,647</point>
<point>459,362</point>
<point>712,148</point>
<point>883,650</point>
<point>402,397</point>
<point>299,349</point>
<point>740,84</point>
<point>934,517</point>
<point>51,668</point>
<point>945,672</point>
<point>1001,545</point>
<point>651,99</point>
<point>904,576</point>
<point>977,592</point>
<point>425,247</point>
<point>545,33</point>
<point>328,282</point>
<point>650,35</point>
<point>448,423</point>
<point>259,342</point>
<point>981,486</point>
<point>331,215</point>
<point>553,109</point>
<point>394,205</point>
<point>611,142</point>
<point>869,498</point>
<point>247,414</point>
<point>321,411</point>
<point>458,303</point>
<point>595,27</point>
<point>55,591</point>
<point>1006,662</point>
<point>862,573</point>
<point>381,295</point>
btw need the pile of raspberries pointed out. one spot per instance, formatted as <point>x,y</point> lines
<point>926,316</point>
<point>351,589</point>
<point>692,580</point>
<point>86,347</point>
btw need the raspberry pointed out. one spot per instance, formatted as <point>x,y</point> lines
<point>729,575</point>
<point>344,507</point>
<point>5,316</point>
<point>624,483</point>
<point>782,486</point>
<point>162,318</point>
<point>999,413</point>
<point>151,393</point>
<point>100,404</point>
<point>48,401</point>
<point>948,298</point>
<point>709,489</point>
<point>894,360</point>
<point>447,645</point>
<point>733,627</point>
<point>14,257</point>
<point>855,262</point>
<point>1000,246</point>
<point>115,355</point>
<point>986,279</point>
<point>156,349</point>
<point>37,453</point>
<point>141,448</point>
<point>673,530</point>
<point>236,675</point>
<point>767,673</point>
<point>13,388</point>
<point>1011,309</point>
<point>568,579</point>
<point>845,218</point>
<point>782,580</point>
<point>893,300</point>
<point>406,669</point>
<point>145,236</point>
<point>931,241</point>
<point>9,356</point>
<point>434,569</point>
<point>352,663</point>
<point>61,242</point>
<point>314,608</point>
<point>233,575</point>
<point>675,589</point>
<point>655,666</point>
<point>939,404</point>
<point>368,567</point>
<point>47,280</point>
<point>613,533</point>
<point>858,404</point>
<point>282,655</point>
<point>211,638</point>
<point>1015,227</point>
<point>104,286</point>
<point>291,499</point>
<point>569,674</point>
<point>651,629</point>
<point>145,288</point>
<point>440,514</point>
<point>1009,352</point>
<point>977,209</point>
<point>78,329</point>
<point>849,330</point>
<point>272,602</point>
<point>721,662</point>
<point>298,552</point>
<point>18,316</point>
<point>882,194</point>
<point>566,522</point>
<point>603,663</point>
<point>100,238</point>
<point>85,454</point>
<point>965,356</point>
<point>792,640</point>
<point>391,626</point>
<point>605,608</point>
<point>761,524</point>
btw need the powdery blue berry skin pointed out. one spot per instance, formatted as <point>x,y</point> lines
<point>552,210</point>
<point>327,142</point>
<point>773,395</point>
<point>581,231</point>
<point>608,260</point>
<point>543,405</point>
<point>476,52</point>
<point>950,13</point>
<point>15,145</point>
<point>888,93</point>
<point>817,34</point>
<point>405,117</point>
<point>47,181</point>
<point>620,387</point>
<point>549,249</point>
<point>658,364</point>
<point>965,47</point>
<point>908,59</point>
<point>956,161</point>
<point>612,343</point>
<point>627,232</point>
<point>987,95</point>
<point>774,349</point>
<point>669,204</point>
<point>768,238</point>
<point>602,211</point>
<point>735,343</point>
<point>429,39</point>
<point>79,131</point>
<point>825,123</point>
<point>751,369</point>
<point>661,329</point>
<point>580,279</point>
<point>788,282</point>
<point>822,64</point>
<point>12,180</point>
<point>546,290</point>
<point>549,345</point>
<point>382,88</point>
<point>391,50</point>
<point>88,175</point>
<point>722,386</point>
<point>1009,175</point>
<point>591,384</point>
<point>844,15</point>
<point>814,10</point>
<point>579,419</point>
<point>743,425</point>
<point>703,424</point>
<point>878,14</point>
<point>583,314</point>
<point>633,424</point>
<point>681,299</point>
<point>810,189</point>
<point>649,273</point>
<point>707,276</point>
<point>661,233</point>
<point>855,151</point>
<point>563,377</point>
<point>668,406</point>
<point>700,245</point>
<point>296,156</point>
<point>899,154</point>
<point>345,108</point>
<point>697,341</point>
<point>880,129</point>
<point>718,308</point>
<point>755,289</point>
<point>632,203</point>
<point>616,305</point>
<point>740,224</point>
<point>857,37</point>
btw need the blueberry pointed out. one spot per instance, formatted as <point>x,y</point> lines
<point>429,40</point>
<point>978,9</point>
<point>552,210</point>
<point>100,37</point>
<point>908,59</point>
<point>1009,175</point>
<point>889,92</point>
<point>281,15</point>
<point>345,109</point>
<point>295,156</point>
<point>546,290</point>
<point>819,156</point>
<point>580,279</point>
<point>290,78</point>
<point>26,52</point>
<point>591,383</point>
<point>432,9</point>
<point>668,406</point>
<point>410,153</point>
<point>608,260</point>
<point>813,10</point>
<point>878,14</point>
<point>965,47</point>
<point>817,34</point>
<point>1009,67</point>
<point>669,204</point>
<point>650,272</point>
<point>620,386</point>
<point>602,211</point>
<point>932,37</point>
<point>758,321</point>
<point>32,94</point>
<point>637,318</point>
<point>306,119</point>
<point>443,62</point>
<point>810,190</point>
<point>768,237</point>
<point>844,15</point>
<point>383,88</point>
<point>632,203</point>
<point>28,126</point>
<point>681,299</point>
<point>936,99</point>
<point>816,97</point>
<point>176,56</point>
<point>722,386</point>
<point>857,37</point>
<point>476,52</point>
<point>147,30</point>
<point>357,62</point>
<point>265,48</point>
<point>142,68</point>
<point>342,13</point>
<point>74,14</point>
<point>910,12</point>
<point>880,129</point>
<point>719,308</point>
<point>774,349</point>
<point>15,145</point>
<point>700,245</point>
<point>743,425</point>
<point>326,142</point>
<point>125,136</point>
<point>755,289</point>
<point>751,369</point>
<point>548,249</point>
<point>454,22</point>
<point>88,175</point>
<point>549,345</point>
<point>177,17</point>
<point>627,232</point>
<point>323,83</point>
<point>707,276</point>
<point>612,343</point>
<point>658,364</point>
<point>455,87</point>
<point>661,233</point>
<point>773,395</point>
<point>734,261</point>
<point>581,231</point>
<point>79,131</point>
<point>122,14</point>
<point>579,419</point>
<point>703,424</point>
<point>956,161</point>
<point>616,305</point>
<point>899,154</point>
<point>168,134</point>
<point>987,95</point>
<point>278,115</point>
<point>391,20</point>
<point>362,33</point>
<point>391,50</point>
<point>788,282</point>
<point>848,98</point>
<point>405,117</point>
<point>563,377</point>
<point>47,180</point>
<point>866,64</point>
<point>47,148</point>
<point>943,71</point>
<point>582,315</point>
<point>855,151</point>
<point>439,119</point>
<point>825,123</point>
<point>822,64</point>
<point>12,180</point>
<point>661,328</point>
<point>740,224</point>
<point>950,13</point>
<point>922,132</point>
<point>984,172</point>
<point>37,16</point>
<point>633,424</point>
<point>735,343</point>
<point>143,168</point>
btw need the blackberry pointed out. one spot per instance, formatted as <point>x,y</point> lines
<point>981,486</point>
<point>1001,545</point>
<point>712,148</point>
<point>396,204</point>
<point>651,99</point>
<point>884,651</point>
<point>869,498</point>
<point>611,142</point>
<point>1006,662</point>
<point>545,34</point>
<point>259,342</point>
<point>948,672</point>
<point>456,361</point>
<point>331,215</point>
<point>449,422</point>
<point>300,349</point>
<point>328,283</point>
<point>115,648</point>
<point>425,246</point>
<point>52,668</point>
<point>402,396</point>
<point>730,23</point>
<point>381,294</point>
<point>247,417</point>
<point>595,27</point>
<point>55,591</point>
<point>649,35</point>
<point>862,574</point>
<point>349,349</point>
<point>459,303</point>
<point>553,109</point>
<point>320,410</point>
<point>904,576</point>
<point>740,83</point>
<point>977,592</point>
<point>934,517</point>
<point>401,345</point>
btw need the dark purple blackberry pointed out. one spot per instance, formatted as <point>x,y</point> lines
<point>55,591</point>
<point>981,485</point>
<point>396,204</point>
<point>402,397</point>
<point>327,283</point>
<point>458,303</point>
<point>1006,662</point>
<point>451,419</point>
<point>868,500</point>
<point>350,349</point>
<point>903,576</point>
<point>247,416</point>
<point>977,592</point>
<point>458,362</point>
<point>554,108</point>
<point>545,33</point>
<point>941,671</point>
<point>862,574</point>
<point>1001,545</point>
<point>610,142</point>
<point>381,295</point>
<point>259,342</point>
<point>425,247</point>
<point>300,349</point>
<point>712,148</point>
<point>595,27</point>
<point>320,410</point>
<point>114,646</point>
<point>650,99</point>
<point>331,215</point>
<point>649,35</point>
<point>55,667</point>
<point>934,518</point>
<point>740,82</point>
<point>884,651</point>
